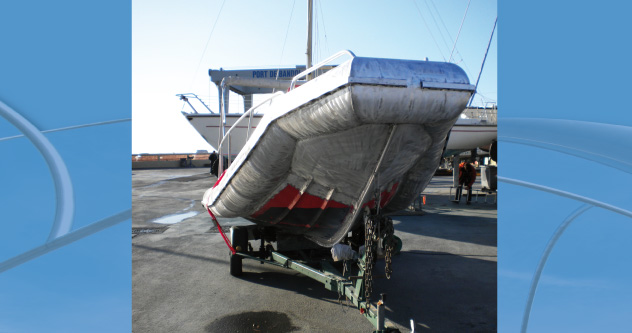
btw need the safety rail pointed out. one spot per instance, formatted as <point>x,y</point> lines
<point>319,65</point>
<point>185,98</point>
<point>487,114</point>
<point>223,107</point>
<point>227,135</point>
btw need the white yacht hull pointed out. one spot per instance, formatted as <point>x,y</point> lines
<point>467,137</point>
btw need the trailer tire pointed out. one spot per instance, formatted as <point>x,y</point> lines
<point>398,245</point>
<point>239,240</point>
<point>235,265</point>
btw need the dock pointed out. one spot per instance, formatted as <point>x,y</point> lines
<point>444,279</point>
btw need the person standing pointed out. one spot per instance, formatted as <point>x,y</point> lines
<point>467,177</point>
<point>214,165</point>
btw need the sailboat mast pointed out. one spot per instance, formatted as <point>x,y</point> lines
<point>309,36</point>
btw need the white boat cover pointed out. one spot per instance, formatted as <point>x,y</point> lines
<point>369,130</point>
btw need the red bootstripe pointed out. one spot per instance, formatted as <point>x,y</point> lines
<point>219,179</point>
<point>290,197</point>
<point>283,199</point>
<point>312,201</point>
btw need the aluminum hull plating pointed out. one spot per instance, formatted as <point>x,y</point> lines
<point>369,131</point>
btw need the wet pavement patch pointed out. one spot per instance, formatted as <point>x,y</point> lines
<point>175,218</point>
<point>142,231</point>
<point>255,322</point>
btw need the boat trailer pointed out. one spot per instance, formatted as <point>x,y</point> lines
<point>356,280</point>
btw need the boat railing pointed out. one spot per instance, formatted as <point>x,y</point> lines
<point>227,135</point>
<point>489,115</point>
<point>319,65</point>
<point>185,98</point>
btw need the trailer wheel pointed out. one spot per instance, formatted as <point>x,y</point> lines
<point>235,265</point>
<point>398,245</point>
<point>239,240</point>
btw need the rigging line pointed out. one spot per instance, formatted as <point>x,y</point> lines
<point>322,17</point>
<point>320,44</point>
<point>71,127</point>
<point>287,31</point>
<point>484,98</point>
<point>545,256</point>
<point>430,32</point>
<point>443,23</point>
<point>467,69</point>
<point>437,25</point>
<point>206,46</point>
<point>458,34</point>
<point>485,58</point>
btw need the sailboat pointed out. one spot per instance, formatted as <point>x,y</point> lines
<point>476,127</point>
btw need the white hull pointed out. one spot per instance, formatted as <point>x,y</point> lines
<point>208,125</point>
<point>467,137</point>
<point>467,134</point>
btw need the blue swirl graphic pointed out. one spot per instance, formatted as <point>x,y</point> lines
<point>60,234</point>
<point>63,186</point>
<point>606,144</point>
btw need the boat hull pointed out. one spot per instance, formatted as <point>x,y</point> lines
<point>311,167</point>
<point>466,137</point>
<point>208,125</point>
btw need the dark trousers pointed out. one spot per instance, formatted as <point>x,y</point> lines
<point>459,192</point>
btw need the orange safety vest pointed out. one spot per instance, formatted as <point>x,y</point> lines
<point>467,174</point>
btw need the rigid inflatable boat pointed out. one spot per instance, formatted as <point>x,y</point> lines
<point>368,133</point>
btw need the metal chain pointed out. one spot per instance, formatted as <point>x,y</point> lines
<point>369,233</point>
<point>390,247</point>
<point>345,270</point>
<point>388,258</point>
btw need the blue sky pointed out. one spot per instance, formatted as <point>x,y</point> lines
<point>169,48</point>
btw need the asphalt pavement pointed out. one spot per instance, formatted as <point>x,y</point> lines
<point>444,279</point>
